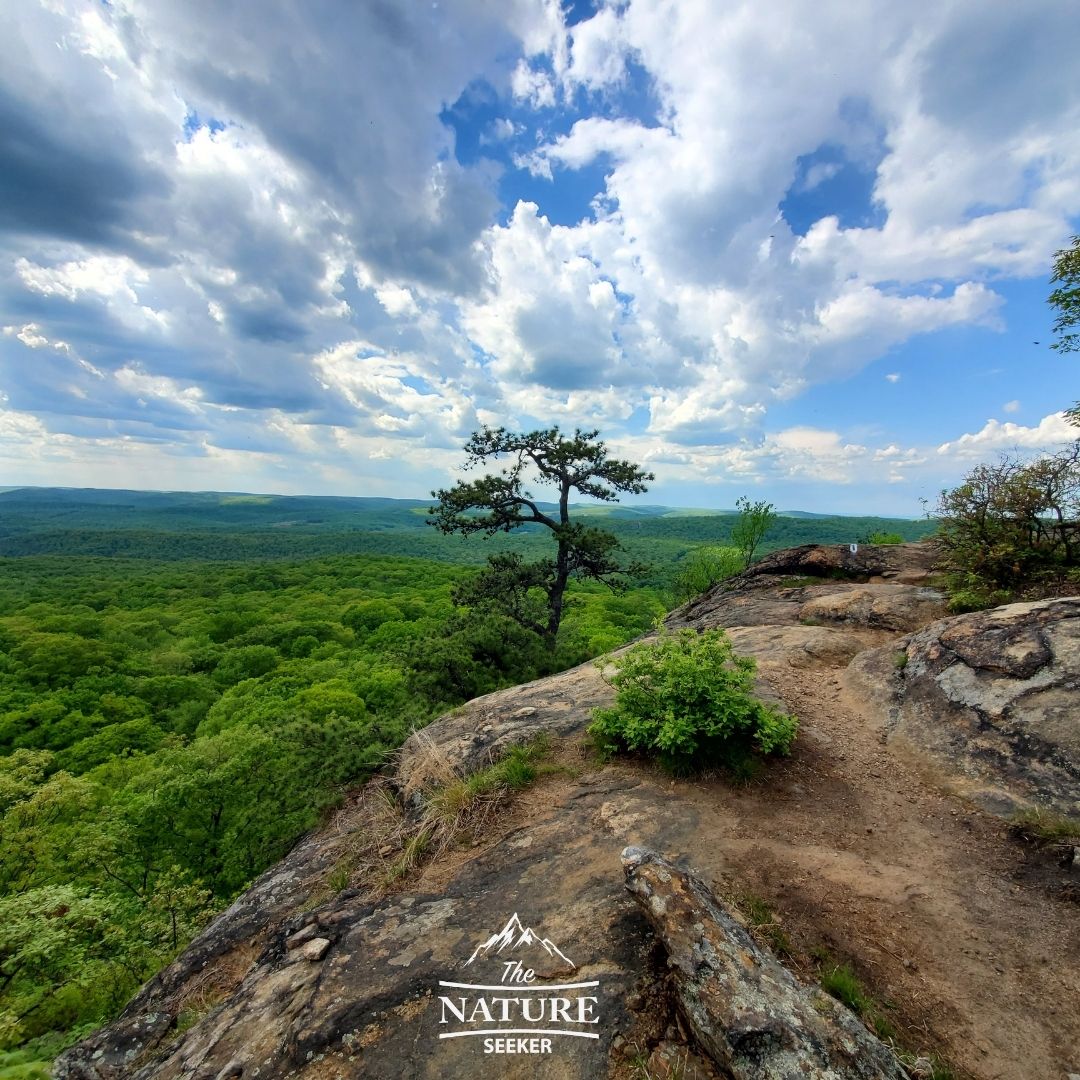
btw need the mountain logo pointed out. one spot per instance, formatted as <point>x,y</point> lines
<point>526,1012</point>
<point>515,935</point>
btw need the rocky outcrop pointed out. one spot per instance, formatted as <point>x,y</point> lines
<point>301,979</point>
<point>745,1009</point>
<point>815,624</point>
<point>475,734</point>
<point>902,563</point>
<point>212,965</point>
<point>352,987</point>
<point>989,697</point>
<point>795,614</point>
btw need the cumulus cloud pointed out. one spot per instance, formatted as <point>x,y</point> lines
<point>1049,433</point>
<point>231,230</point>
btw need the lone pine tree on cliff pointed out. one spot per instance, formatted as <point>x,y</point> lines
<point>533,594</point>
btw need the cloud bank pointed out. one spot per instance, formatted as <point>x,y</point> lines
<point>310,247</point>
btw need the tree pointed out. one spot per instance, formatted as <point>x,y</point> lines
<point>1066,298</point>
<point>1013,521</point>
<point>755,520</point>
<point>705,567</point>
<point>533,594</point>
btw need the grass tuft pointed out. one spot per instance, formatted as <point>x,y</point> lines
<point>765,924</point>
<point>844,985</point>
<point>1042,827</point>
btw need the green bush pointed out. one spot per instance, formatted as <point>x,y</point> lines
<point>687,700</point>
<point>884,538</point>
<point>1012,523</point>
<point>968,593</point>
<point>705,567</point>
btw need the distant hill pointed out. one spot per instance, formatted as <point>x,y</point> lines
<point>239,526</point>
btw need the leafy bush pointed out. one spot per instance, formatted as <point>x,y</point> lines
<point>705,567</point>
<point>687,699</point>
<point>884,538</point>
<point>1013,522</point>
<point>968,593</point>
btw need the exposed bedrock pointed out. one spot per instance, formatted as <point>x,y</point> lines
<point>990,698</point>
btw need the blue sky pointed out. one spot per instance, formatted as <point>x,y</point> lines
<point>766,250</point>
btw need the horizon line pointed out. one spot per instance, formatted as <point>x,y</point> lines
<point>703,511</point>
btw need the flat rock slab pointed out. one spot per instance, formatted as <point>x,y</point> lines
<point>991,697</point>
<point>482,730</point>
<point>799,646</point>
<point>886,606</point>
<point>362,995</point>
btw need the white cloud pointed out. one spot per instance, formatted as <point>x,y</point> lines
<point>31,336</point>
<point>533,85</point>
<point>818,173</point>
<point>397,300</point>
<point>1049,433</point>
<point>137,382</point>
<point>170,272</point>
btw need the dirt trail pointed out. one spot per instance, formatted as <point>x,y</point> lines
<point>929,898</point>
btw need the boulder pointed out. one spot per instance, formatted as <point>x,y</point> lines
<point>838,560</point>
<point>749,1013</point>
<point>990,697</point>
<point>887,606</point>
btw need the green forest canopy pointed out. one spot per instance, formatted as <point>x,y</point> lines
<point>187,683</point>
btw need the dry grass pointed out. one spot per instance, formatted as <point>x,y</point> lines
<point>429,766</point>
<point>384,835</point>
<point>1043,827</point>
<point>213,984</point>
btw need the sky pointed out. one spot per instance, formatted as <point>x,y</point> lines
<point>797,252</point>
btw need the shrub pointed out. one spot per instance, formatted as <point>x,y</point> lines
<point>704,568</point>
<point>968,593</point>
<point>884,538</point>
<point>686,699</point>
<point>1014,521</point>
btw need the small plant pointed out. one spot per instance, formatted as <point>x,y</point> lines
<point>456,807</point>
<point>763,919</point>
<point>517,769</point>
<point>925,1066</point>
<point>841,982</point>
<point>412,855</point>
<point>339,877</point>
<point>844,985</point>
<point>704,568</point>
<point>968,593</point>
<point>1042,827</point>
<point>687,700</point>
<point>798,582</point>
<point>900,660</point>
<point>884,538</point>
<point>754,522</point>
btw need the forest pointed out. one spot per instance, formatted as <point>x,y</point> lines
<point>189,683</point>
